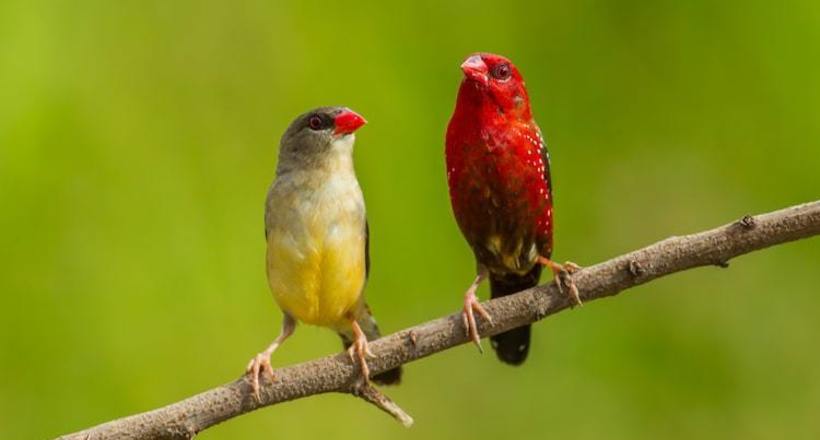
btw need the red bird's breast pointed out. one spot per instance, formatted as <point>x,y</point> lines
<point>498,176</point>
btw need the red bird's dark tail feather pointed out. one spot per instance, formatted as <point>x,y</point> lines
<point>368,324</point>
<point>512,346</point>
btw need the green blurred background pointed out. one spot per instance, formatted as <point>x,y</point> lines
<point>137,140</point>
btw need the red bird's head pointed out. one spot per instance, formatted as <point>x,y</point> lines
<point>493,79</point>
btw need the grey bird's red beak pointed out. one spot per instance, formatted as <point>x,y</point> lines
<point>475,69</point>
<point>347,122</point>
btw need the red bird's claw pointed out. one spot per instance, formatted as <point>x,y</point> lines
<point>576,296</point>
<point>483,312</point>
<point>558,283</point>
<point>471,305</point>
<point>470,328</point>
<point>565,278</point>
<point>562,273</point>
<point>571,267</point>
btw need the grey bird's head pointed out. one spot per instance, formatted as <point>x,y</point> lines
<point>316,136</point>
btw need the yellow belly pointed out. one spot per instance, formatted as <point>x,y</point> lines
<point>317,274</point>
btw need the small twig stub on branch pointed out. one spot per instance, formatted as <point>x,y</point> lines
<point>370,393</point>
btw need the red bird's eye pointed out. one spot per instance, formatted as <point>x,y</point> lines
<point>315,122</point>
<point>501,71</point>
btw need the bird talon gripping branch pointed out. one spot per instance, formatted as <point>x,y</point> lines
<point>472,305</point>
<point>470,325</point>
<point>359,350</point>
<point>574,294</point>
<point>562,273</point>
<point>571,267</point>
<point>252,374</point>
<point>357,356</point>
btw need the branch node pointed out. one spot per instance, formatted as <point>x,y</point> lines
<point>635,268</point>
<point>365,390</point>
<point>413,338</point>
<point>747,222</point>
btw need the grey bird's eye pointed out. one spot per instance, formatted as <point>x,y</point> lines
<point>315,122</point>
<point>501,71</point>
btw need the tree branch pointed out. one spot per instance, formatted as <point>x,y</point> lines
<point>182,420</point>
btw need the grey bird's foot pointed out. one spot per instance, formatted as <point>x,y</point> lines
<point>259,365</point>
<point>359,351</point>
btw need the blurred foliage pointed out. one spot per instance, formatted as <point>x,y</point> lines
<point>137,140</point>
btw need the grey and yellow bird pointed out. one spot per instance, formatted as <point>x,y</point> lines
<point>318,238</point>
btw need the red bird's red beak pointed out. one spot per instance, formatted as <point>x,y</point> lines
<point>347,122</point>
<point>474,68</point>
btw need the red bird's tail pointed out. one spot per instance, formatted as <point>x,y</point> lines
<point>512,346</point>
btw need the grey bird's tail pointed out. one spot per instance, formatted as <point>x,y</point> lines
<point>512,346</point>
<point>368,324</point>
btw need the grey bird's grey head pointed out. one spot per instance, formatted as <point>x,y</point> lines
<point>314,135</point>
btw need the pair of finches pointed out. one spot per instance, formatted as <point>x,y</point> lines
<point>498,173</point>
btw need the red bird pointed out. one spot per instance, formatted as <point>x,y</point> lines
<point>498,171</point>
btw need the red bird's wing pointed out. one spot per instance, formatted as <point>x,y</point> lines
<point>544,221</point>
<point>545,158</point>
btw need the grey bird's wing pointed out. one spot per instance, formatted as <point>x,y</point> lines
<point>366,249</point>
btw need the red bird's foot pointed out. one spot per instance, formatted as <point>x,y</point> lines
<point>260,364</point>
<point>359,350</point>
<point>472,305</point>
<point>563,277</point>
